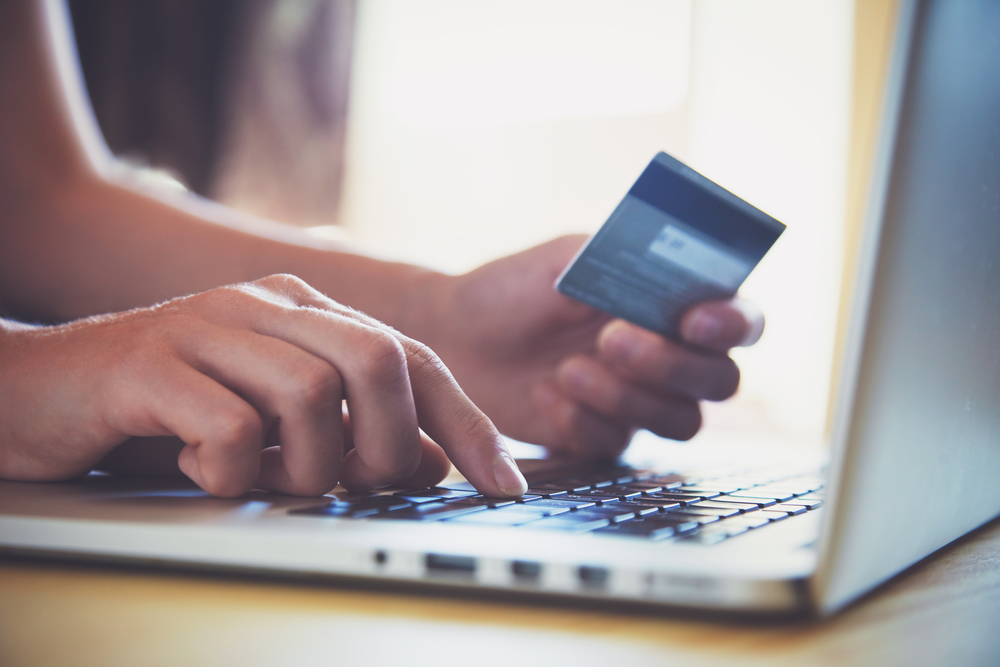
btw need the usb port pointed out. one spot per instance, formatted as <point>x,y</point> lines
<point>526,570</point>
<point>593,577</point>
<point>445,564</point>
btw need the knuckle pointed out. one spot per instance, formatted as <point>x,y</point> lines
<point>476,425</point>
<point>285,284</point>
<point>423,360</point>
<point>317,385</point>
<point>381,357</point>
<point>235,429</point>
<point>223,486</point>
<point>423,357</point>
<point>280,280</point>
<point>398,468</point>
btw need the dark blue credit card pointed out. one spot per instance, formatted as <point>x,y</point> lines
<point>675,240</point>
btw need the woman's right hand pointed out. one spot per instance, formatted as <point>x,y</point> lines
<point>252,379</point>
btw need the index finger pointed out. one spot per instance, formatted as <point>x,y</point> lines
<point>448,416</point>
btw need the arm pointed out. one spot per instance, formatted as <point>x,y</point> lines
<point>546,369</point>
<point>239,386</point>
<point>73,242</point>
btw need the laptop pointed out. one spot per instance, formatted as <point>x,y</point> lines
<point>915,452</point>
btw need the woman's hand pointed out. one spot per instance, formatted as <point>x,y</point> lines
<point>552,371</point>
<point>251,378</point>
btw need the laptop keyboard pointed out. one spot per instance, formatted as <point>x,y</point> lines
<point>626,502</point>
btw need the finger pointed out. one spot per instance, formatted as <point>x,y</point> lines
<point>662,365</point>
<point>581,432</point>
<point>298,392</point>
<point>468,437</point>
<point>720,325</point>
<point>372,366</point>
<point>588,381</point>
<point>434,463</point>
<point>222,433</point>
<point>434,467</point>
<point>152,456</point>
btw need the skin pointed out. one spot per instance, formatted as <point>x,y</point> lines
<point>177,334</point>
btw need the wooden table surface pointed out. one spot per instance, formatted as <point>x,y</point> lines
<point>944,611</point>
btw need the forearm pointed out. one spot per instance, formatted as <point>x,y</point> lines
<point>95,246</point>
<point>73,243</point>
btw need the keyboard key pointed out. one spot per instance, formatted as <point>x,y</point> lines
<point>753,494</point>
<point>612,514</point>
<point>432,512</point>
<point>644,487</point>
<point>683,516</point>
<point>704,511</point>
<point>379,503</point>
<point>435,492</point>
<point>546,493</point>
<point>657,503</point>
<point>569,523</point>
<point>808,503</point>
<point>490,502</point>
<point>688,514</point>
<point>704,492</point>
<point>680,521</point>
<point>569,487</point>
<point>759,502</point>
<point>587,497</point>
<point>683,498</point>
<point>568,504</point>
<point>790,508</point>
<point>737,507</point>
<point>615,491</point>
<point>577,483</point>
<point>641,508</point>
<point>668,481</point>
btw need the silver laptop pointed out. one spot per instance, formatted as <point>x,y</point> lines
<point>915,452</point>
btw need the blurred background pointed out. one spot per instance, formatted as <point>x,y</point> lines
<point>451,132</point>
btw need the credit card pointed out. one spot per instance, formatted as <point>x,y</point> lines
<point>675,240</point>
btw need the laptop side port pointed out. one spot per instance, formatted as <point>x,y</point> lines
<point>593,577</point>
<point>443,564</point>
<point>526,571</point>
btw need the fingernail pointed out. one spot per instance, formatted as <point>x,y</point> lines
<point>619,342</point>
<point>508,477</point>
<point>702,327</point>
